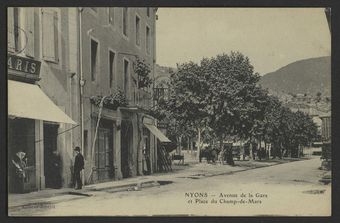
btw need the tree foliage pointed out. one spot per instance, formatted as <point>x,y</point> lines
<point>142,69</point>
<point>222,95</point>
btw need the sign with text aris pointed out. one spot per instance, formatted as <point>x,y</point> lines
<point>21,66</point>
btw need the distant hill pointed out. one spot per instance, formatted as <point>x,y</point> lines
<point>301,77</point>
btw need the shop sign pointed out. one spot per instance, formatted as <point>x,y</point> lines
<point>21,65</point>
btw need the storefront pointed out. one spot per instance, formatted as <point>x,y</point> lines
<point>33,124</point>
<point>153,138</point>
<point>125,144</point>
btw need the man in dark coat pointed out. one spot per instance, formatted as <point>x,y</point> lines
<point>77,168</point>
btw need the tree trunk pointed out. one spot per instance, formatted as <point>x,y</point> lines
<point>221,143</point>
<point>198,142</point>
<point>251,149</point>
<point>191,146</point>
<point>180,146</point>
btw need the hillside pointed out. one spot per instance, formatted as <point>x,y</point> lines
<point>301,77</point>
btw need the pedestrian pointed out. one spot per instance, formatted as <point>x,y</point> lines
<point>77,168</point>
<point>229,154</point>
<point>19,163</point>
<point>56,170</point>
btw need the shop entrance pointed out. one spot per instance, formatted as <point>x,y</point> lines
<point>126,147</point>
<point>52,160</point>
<point>146,152</point>
<point>104,152</point>
<point>21,155</point>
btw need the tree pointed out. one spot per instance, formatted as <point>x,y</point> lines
<point>220,94</point>
<point>185,107</point>
<point>187,98</point>
<point>221,98</point>
<point>142,70</point>
<point>234,100</point>
<point>268,128</point>
<point>284,129</point>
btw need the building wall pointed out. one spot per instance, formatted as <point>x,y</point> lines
<point>99,25</point>
<point>60,77</point>
<point>56,81</point>
<point>96,26</point>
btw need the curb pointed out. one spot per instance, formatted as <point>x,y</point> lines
<point>84,193</point>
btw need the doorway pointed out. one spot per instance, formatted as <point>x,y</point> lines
<point>126,146</point>
<point>104,154</point>
<point>52,161</point>
<point>21,138</point>
<point>146,152</point>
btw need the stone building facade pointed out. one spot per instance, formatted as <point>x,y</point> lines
<point>41,111</point>
<point>81,53</point>
<point>112,41</point>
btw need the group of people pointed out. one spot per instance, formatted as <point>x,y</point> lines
<point>19,175</point>
<point>213,154</point>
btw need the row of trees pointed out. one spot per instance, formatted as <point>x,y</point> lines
<point>221,98</point>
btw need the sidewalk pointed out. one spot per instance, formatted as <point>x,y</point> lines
<point>189,171</point>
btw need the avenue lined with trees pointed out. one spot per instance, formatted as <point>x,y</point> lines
<point>221,100</point>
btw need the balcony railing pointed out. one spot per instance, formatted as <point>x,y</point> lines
<point>141,98</point>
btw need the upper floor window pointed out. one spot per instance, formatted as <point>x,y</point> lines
<point>148,40</point>
<point>137,31</point>
<point>16,18</point>
<point>111,67</point>
<point>126,76</point>
<point>15,31</point>
<point>21,35</point>
<point>125,21</point>
<point>94,59</point>
<point>50,34</point>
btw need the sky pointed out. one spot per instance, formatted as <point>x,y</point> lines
<point>270,37</point>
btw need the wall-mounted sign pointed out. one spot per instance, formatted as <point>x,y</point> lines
<point>21,66</point>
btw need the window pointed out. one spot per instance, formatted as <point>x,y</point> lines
<point>111,68</point>
<point>148,50</point>
<point>16,32</point>
<point>94,59</point>
<point>10,29</point>
<point>148,11</point>
<point>50,35</point>
<point>126,77</point>
<point>111,15</point>
<point>137,31</point>
<point>125,15</point>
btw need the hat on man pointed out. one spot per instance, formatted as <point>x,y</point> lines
<point>77,149</point>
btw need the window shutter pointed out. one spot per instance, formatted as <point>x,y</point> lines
<point>48,35</point>
<point>10,29</point>
<point>56,39</point>
<point>29,13</point>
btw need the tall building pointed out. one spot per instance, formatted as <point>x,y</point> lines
<point>113,41</point>
<point>59,61</point>
<point>41,93</point>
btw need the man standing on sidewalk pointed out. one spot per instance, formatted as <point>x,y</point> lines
<point>77,168</point>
